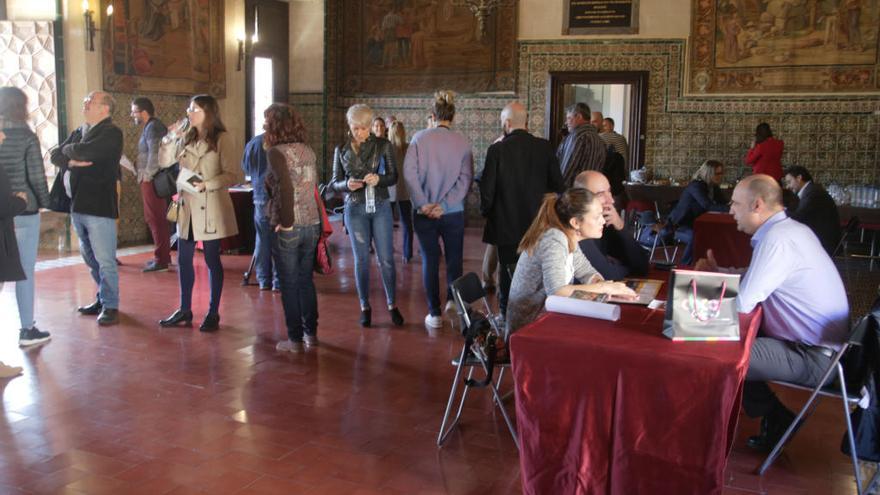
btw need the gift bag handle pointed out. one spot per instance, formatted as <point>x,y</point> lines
<point>713,312</point>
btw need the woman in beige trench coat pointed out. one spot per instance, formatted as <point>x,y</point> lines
<point>206,216</point>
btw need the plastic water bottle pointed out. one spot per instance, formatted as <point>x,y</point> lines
<point>180,127</point>
<point>370,194</point>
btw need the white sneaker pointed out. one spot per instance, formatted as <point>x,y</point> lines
<point>289,346</point>
<point>433,321</point>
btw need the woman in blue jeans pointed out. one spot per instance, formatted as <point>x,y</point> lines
<point>364,167</point>
<point>294,216</point>
<point>397,136</point>
<point>22,160</point>
<point>439,169</point>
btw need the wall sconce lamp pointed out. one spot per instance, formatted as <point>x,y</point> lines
<point>481,9</point>
<point>240,37</point>
<point>89,24</point>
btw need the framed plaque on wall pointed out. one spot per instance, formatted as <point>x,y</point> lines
<point>600,17</point>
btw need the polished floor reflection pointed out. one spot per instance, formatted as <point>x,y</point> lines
<point>141,409</point>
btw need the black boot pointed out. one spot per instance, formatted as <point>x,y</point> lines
<point>396,317</point>
<point>92,309</point>
<point>773,426</point>
<point>366,317</point>
<point>211,323</point>
<point>179,316</point>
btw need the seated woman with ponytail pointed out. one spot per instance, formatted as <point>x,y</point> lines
<point>550,260</point>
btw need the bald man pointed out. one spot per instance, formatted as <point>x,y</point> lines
<point>616,254</point>
<point>519,170</point>
<point>803,325</point>
<point>89,160</point>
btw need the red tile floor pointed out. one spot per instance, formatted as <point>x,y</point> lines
<point>140,409</point>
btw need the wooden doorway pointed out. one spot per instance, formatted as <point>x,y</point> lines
<point>620,95</point>
<point>266,64</point>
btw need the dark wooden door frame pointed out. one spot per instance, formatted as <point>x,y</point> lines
<point>638,113</point>
<point>273,43</point>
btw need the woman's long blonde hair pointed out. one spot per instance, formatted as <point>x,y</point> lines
<point>397,136</point>
<point>556,213</point>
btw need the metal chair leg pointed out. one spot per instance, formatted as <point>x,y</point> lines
<point>802,414</point>
<point>873,479</point>
<point>443,431</point>
<point>849,430</point>
<point>507,420</point>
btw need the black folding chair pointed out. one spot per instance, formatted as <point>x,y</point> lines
<point>851,226</point>
<point>466,291</point>
<point>863,330</point>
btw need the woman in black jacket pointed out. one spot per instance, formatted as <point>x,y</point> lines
<point>11,204</point>
<point>364,167</point>
<point>701,195</point>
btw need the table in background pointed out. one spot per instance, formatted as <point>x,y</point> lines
<point>717,231</point>
<point>243,203</point>
<point>868,217</point>
<point>616,408</point>
<point>649,196</point>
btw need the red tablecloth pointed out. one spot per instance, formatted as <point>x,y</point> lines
<point>615,408</point>
<point>717,231</point>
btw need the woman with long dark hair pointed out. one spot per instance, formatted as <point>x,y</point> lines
<point>22,160</point>
<point>364,168</point>
<point>206,215</point>
<point>293,214</point>
<point>765,154</point>
<point>550,260</point>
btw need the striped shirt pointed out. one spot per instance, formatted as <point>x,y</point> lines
<point>619,143</point>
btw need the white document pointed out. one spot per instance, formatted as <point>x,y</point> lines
<point>579,307</point>
<point>127,165</point>
<point>187,179</point>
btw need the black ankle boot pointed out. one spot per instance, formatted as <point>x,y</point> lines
<point>179,316</point>
<point>773,426</point>
<point>396,317</point>
<point>366,316</point>
<point>211,323</point>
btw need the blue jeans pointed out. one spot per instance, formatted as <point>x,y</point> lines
<point>27,235</point>
<point>97,244</point>
<point>186,249</point>
<point>365,228</point>
<point>406,218</point>
<point>450,228</point>
<point>686,235</point>
<point>267,276</point>
<point>294,255</point>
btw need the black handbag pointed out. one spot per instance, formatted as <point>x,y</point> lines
<point>165,181</point>
<point>58,199</point>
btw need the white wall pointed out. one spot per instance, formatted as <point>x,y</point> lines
<point>31,10</point>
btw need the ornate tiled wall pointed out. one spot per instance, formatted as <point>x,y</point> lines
<point>132,228</point>
<point>311,107</point>
<point>834,136</point>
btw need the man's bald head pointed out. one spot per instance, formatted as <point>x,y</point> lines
<point>764,187</point>
<point>596,183</point>
<point>755,199</point>
<point>596,120</point>
<point>513,116</point>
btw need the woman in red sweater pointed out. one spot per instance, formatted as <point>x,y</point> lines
<point>765,155</point>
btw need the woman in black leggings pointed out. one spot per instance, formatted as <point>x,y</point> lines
<point>206,213</point>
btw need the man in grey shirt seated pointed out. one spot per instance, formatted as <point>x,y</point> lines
<point>616,254</point>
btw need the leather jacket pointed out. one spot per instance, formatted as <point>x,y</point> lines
<point>376,155</point>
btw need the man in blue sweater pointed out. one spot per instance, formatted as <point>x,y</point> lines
<point>255,165</point>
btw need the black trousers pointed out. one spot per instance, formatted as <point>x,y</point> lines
<point>774,359</point>
<point>507,257</point>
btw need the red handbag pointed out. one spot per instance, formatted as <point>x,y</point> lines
<point>323,263</point>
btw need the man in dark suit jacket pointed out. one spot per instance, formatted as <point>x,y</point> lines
<point>815,208</point>
<point>616,254</point>
<point>89,160</point>
<point>519,170</point>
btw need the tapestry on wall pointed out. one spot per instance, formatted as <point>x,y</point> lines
<point>760,46</point>
<point>417,46</point>
<point>164,46</point>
